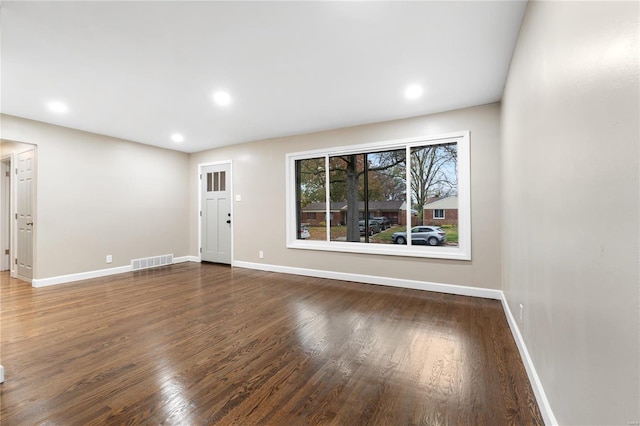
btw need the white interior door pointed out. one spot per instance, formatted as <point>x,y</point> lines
<point>24,214</point>
<point>216,213</point>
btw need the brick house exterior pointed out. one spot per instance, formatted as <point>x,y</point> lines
<point>441,212</point>
<point>313,214</point>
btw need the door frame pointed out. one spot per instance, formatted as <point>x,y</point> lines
<point>200,182</point>
<point>7,211</point>
<point>13,202</point>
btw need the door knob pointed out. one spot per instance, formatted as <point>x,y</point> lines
<point>229,221</point>
<point>29,223</point>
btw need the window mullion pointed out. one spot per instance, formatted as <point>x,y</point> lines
<point>408,194</point>
<point>366,197</point>
<point>327,210</point>
<point>298,197</point>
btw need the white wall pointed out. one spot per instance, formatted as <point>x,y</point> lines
<point>98,195</point>
<point>570,178</point>
<point>259,219</point>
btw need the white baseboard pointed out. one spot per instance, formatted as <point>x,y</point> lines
<point>372,279</point>
<point>63,279</point>
<point>538,390</point>
<point>183,259</point>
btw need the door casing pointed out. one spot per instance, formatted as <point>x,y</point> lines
<point>6,192</point>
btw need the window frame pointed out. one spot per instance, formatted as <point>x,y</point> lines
<point>436,217</point>
<point>461,252</point>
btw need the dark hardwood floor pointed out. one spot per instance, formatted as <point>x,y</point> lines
<point>195,344</point>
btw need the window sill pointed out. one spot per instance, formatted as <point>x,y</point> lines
<point>437,252</point>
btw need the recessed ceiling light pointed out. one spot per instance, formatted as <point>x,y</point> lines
<point>412,92</point>
<point>177,138</point>
<point>58,107</point>
<point>222,98</point>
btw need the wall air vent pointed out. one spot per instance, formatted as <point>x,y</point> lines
<point>151,262</point>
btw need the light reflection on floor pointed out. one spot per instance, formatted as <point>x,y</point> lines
<point>351,338</point>
<point>177,406</point>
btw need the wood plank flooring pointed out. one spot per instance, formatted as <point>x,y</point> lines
<point>195,344</point>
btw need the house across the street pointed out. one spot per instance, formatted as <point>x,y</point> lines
<point>441,212</point>
<point>395,211</point>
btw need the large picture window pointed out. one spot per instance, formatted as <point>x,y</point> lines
<point>407,198</point>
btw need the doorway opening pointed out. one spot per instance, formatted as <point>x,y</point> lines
<point>17,209</point>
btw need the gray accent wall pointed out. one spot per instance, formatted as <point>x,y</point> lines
<point>570,182</point>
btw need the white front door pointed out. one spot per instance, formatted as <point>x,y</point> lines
<point>24,213</point>
<point>216,213</point>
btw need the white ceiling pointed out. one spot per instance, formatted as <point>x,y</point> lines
<point>145,70</point>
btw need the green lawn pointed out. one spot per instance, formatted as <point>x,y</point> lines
<point>385,236</point>
<point>451,232</point>
<point>320,232</point>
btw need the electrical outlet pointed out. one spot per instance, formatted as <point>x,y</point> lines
<point>261,254</point>
<point>109,258</point>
